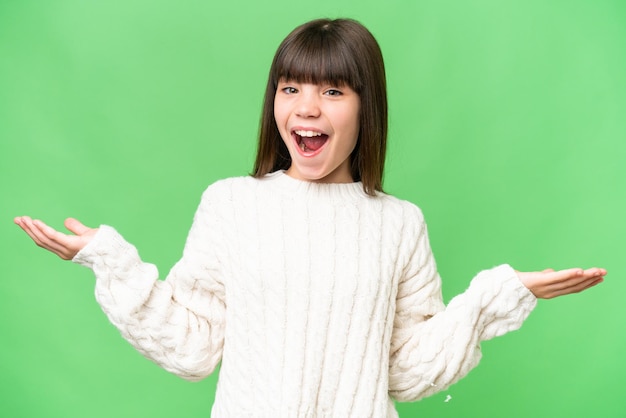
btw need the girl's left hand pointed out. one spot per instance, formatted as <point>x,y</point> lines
<point>549,284</point>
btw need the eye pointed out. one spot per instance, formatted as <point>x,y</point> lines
<point>289,90</point>
<point>333,92</point>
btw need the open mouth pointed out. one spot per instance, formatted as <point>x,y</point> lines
<point>309,141</point>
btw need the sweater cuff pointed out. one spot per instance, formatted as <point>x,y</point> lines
<point>106,243</point>
<point>504,300</point>
<point>123,280</point>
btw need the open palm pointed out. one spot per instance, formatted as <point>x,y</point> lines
<point>64,245</point>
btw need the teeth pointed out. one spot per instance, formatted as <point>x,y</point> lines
<point>302,146</point>
<point>308,133</point>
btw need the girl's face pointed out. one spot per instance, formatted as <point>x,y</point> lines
<point>319,123</point>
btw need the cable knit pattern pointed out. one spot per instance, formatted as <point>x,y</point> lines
<point>319,301</point>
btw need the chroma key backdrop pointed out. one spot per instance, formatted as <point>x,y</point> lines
<point>507,127</point>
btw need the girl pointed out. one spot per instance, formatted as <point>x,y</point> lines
<point>316,291</point>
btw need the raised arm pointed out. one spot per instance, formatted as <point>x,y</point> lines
<point>433,346</point>
<point>177,322</point>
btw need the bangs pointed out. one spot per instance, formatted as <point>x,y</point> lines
<point>318,57</point>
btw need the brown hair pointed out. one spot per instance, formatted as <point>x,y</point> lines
<point>340,51</point>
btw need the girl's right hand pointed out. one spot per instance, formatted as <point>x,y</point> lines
<point>63,245</point>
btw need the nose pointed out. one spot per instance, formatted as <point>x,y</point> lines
<point>307,105</point>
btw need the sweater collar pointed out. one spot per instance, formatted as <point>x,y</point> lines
<point>332,191</point>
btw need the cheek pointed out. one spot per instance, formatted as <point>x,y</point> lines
<point>353,118</point>
<point>285,135</point>
<point>356,126</point>
<point>280,117</point>
<point>353,125</point>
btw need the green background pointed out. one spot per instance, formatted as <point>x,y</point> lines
<point>507,128</point>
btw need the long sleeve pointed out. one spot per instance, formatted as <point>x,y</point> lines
<point>177,322</point>
<point>434,346</point>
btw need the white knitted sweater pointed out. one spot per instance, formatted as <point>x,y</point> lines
<point>319,301</point>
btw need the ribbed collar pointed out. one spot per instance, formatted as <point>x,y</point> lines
<point>287,185</point>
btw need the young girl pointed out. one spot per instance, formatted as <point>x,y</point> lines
<point>316,291</point>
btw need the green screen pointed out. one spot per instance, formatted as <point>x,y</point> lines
<point>507,127</point>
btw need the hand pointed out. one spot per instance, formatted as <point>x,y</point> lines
<point>549,284</point>
<point>65,246</point>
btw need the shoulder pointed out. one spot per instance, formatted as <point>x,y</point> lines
<point>408,211</point>
<point>225,189</point>
<point>222,195</point>
<point>221,198</point>
<point>407,218</point>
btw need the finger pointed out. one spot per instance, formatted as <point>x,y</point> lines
<point>590,278</point>
<point>579,287</point>
<point>65,246</point>
<point>55,237</point>
<point>571,282</point>
<point>48,238</point>
<point>548,271</point>
<point>48,231</point>
<point>564,275</point>
<point>75,226</point>
<point>565,279</point>
<point>21,220</point>
<point>595,271</point>
<point>37,236</point>
<point>27,225</point>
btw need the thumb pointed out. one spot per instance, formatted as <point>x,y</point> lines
<point>75,226</point>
